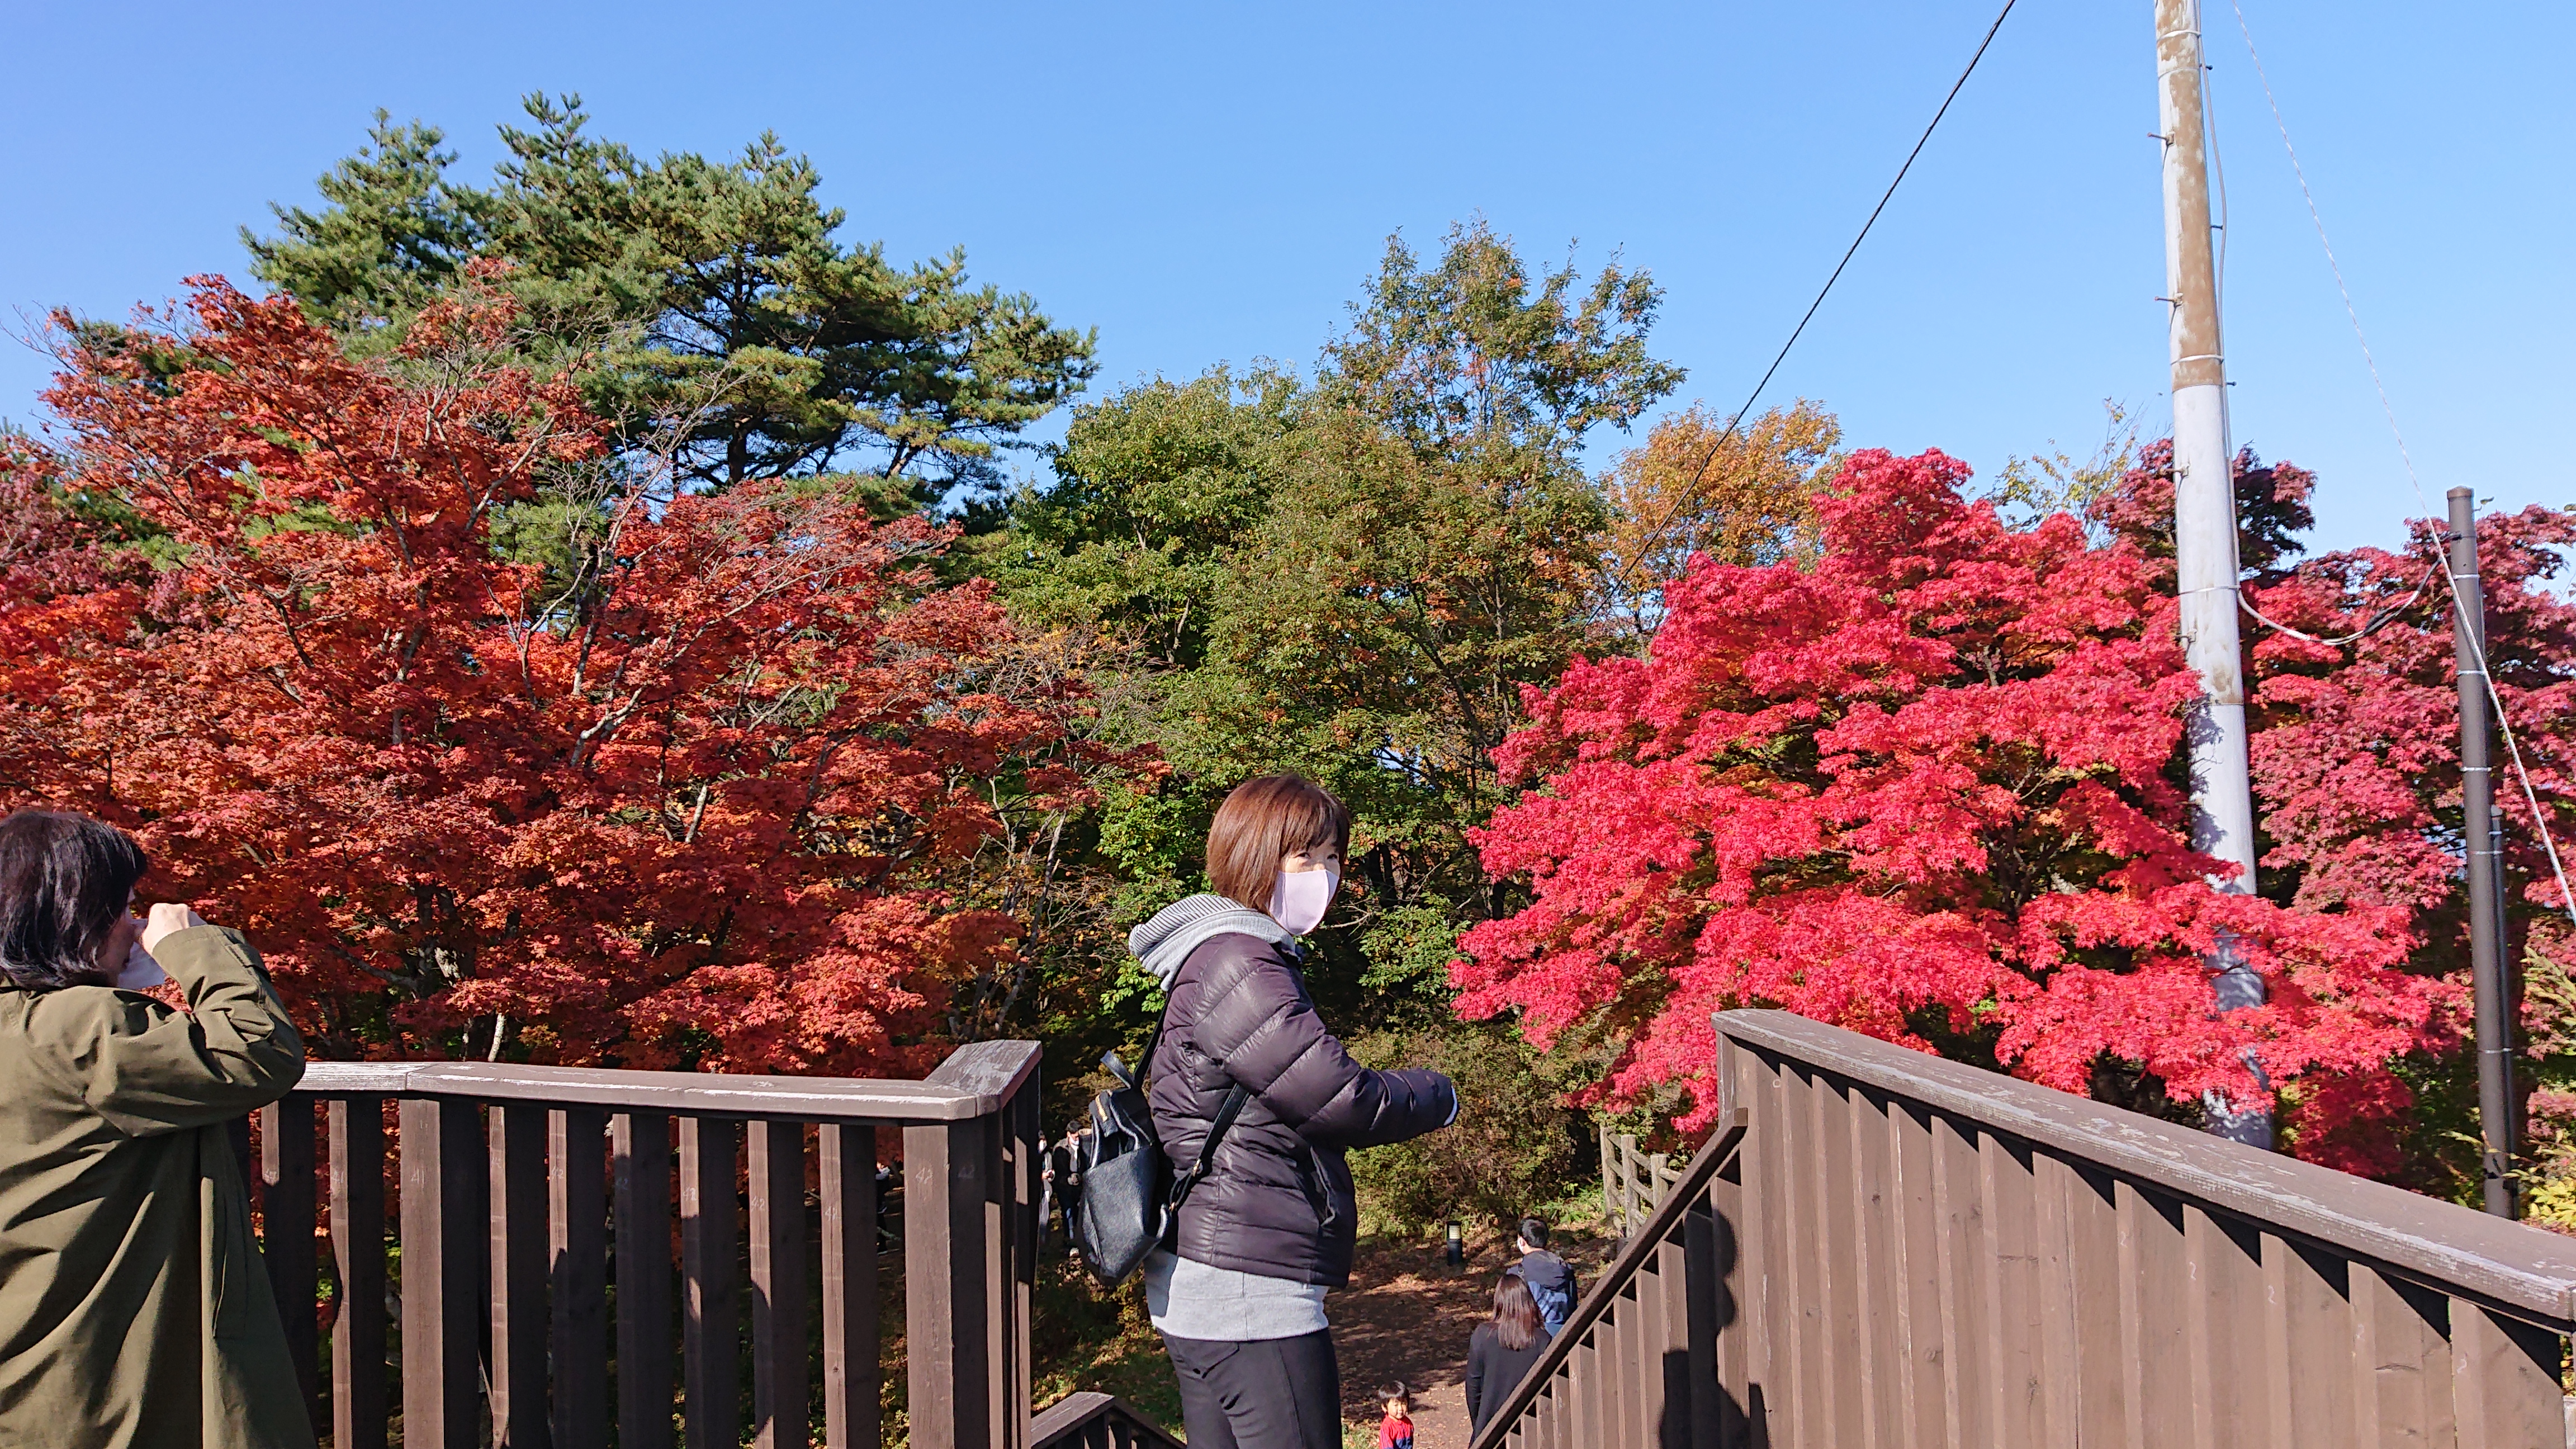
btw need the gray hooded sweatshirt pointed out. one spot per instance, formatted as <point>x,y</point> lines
<point>1166,940</point>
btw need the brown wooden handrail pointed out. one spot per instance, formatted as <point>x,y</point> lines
<point>1887,1248</point>
<point>526,1192</point>
<point>1716,1154</point>
<point>807,1099</point>
<point>1094,1420</point>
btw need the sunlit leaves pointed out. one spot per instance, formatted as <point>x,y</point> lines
<point>713,806</point>
<point>1921,787</point>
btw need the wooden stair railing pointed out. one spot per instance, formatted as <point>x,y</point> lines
<point>1090,1420</point>
<point>1639,1351</point>
<point>1885,1248</point>
<point>532,1255</point>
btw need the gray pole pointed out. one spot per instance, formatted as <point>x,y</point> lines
<point>2483,834</point>
<point>2205,564</point>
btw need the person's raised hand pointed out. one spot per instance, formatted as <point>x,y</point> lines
<point>167,919</point>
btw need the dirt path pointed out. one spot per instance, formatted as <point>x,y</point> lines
<point>1406,1315</point>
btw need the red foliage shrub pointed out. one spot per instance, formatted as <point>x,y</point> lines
<point>1928,789</point>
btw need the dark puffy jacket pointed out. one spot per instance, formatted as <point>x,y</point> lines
<point>1277,1201</point>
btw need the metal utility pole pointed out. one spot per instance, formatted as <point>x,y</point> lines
<point>2485,840</point>
<point>2205,566</point>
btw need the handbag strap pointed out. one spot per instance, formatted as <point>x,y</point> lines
<point>1226,1111</point>
<point>1109,1059</point>
<point>1225,1115</point>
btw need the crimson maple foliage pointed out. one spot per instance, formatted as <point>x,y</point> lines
<point>2357,772</point>
<point>1928,789</point>
<point>692,808</point>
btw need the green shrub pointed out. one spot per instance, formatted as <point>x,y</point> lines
<point>1512,1146</point>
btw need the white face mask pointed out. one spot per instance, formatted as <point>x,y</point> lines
<point>1300,898</point>
<point>141,972</point>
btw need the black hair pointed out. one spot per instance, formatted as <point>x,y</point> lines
<point>65,881</point>
<point>1534,1232</point>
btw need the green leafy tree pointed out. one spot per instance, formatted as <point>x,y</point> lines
<point>1352,578</point>
<point>1153,490</point>
<point>707,300</point>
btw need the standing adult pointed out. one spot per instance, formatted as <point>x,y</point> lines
<point>1238,1296</point>
<point>134,1311</point>
<point>1502,1348</point>
<point>1550,1278</point>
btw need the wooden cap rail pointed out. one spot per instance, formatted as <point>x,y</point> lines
<point>540,1299</point>
<point>1092,1420</point>
<point>1885,1248</point>
<point>807,1099</point>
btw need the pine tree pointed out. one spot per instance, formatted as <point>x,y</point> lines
<point>712,299</point>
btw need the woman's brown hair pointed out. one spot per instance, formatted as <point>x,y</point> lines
<point>1263,823</point>
<point>1516,1324</point>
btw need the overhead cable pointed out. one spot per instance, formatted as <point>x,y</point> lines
<point>1690,491</point>
<point>2376,622</point>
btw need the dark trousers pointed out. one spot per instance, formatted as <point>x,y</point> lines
<point>1272,1393</point>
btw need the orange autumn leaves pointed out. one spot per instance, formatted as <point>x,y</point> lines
<point>1741,496</point>
<point>696,796</point>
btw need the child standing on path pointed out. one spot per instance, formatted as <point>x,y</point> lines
<point>1395,1431</point>
<point>1550,1278</point>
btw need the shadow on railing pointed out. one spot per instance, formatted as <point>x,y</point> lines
<point>1885,1248</point>
<point>533,1257</point>
<point>1097,1421</point>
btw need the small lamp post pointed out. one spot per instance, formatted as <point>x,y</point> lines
<point>1457,1243</point>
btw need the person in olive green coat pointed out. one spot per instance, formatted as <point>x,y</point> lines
<point>134,1309</point>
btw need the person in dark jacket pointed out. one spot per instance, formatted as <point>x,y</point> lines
<point>1238,1295</point>
<point>1501,1350</point>
<point>1550,1278</point>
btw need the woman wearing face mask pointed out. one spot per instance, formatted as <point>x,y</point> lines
<point>1239,1294</point>
<point>133,1308</point>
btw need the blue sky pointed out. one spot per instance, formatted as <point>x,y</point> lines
<point>1214,181</point>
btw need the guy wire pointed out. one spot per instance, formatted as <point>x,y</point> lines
<point>2475,637</point>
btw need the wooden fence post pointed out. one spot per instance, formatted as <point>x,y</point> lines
<point>954,1293</point>
<point>442,1273</point>
<point>286,1236</point>
<point>358,1260</point>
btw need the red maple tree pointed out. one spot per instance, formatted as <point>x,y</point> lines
<point>2357,772</point>
<point>1928,788</point>
<point>690,797</point>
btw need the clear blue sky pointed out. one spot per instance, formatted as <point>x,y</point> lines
<point>1213,181</point>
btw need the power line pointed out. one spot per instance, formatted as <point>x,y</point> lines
<point>2378,620</point>
<point>1700,475</point>
<point>2476,641</point>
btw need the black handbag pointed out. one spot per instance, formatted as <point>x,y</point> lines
<point>1130,1203</point>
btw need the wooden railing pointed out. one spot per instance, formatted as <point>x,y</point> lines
<point>1091,1420</point>
<point>1633,1182</point>
<point>541,1299</point>
<point>1883,1248</point>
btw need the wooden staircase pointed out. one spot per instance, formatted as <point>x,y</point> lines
<point>1880,1248</point>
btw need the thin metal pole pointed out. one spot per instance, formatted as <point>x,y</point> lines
<point>2484,838</point>
<point>2205,562</point>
